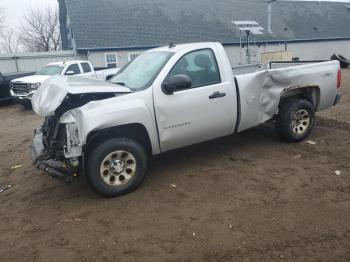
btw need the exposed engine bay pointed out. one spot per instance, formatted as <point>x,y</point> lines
<point>56,140</point>
<point>54,137</point>
<point>54,134</point>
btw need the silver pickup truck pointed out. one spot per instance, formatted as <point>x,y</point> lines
<point>168,98</point>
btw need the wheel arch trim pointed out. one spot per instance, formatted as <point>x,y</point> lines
<point>134,131</point>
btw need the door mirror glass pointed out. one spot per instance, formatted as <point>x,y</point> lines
<point>176,83</point>
<point>69,73</point>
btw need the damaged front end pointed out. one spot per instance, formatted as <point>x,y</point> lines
<point>56,147</point>
<point>50,162</point>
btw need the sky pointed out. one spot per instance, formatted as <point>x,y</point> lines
<point>15,9</point>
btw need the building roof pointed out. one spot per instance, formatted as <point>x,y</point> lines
<point>147,23</point>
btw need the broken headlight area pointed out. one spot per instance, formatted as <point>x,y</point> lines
<point>72,148</point>
<point>52,144</point>
<point>56,147</point>
<point>51,158</point>
<point>54,136</point>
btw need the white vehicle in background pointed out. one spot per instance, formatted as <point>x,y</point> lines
<point>22,89</point>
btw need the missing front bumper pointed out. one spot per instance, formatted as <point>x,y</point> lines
<point>43,161</point>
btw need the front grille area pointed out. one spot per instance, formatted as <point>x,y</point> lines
<point>20,88</point>
<point>54,136</point>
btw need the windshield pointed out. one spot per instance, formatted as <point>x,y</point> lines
<point>50,70</point>
<point>141,72</point>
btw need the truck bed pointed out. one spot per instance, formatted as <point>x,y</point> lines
<point>261,90</point>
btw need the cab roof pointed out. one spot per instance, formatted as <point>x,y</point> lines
<point>64,63</point>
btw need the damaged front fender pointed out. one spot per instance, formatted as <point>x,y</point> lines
<point>73,146</point>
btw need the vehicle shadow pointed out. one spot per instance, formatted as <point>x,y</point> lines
<point>6,102</point>
<point>262,136</point>
<point>169,163</point>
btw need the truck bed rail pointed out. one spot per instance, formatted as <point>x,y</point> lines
<point>282,64</point>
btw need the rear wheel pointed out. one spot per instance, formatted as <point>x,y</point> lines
<point>295,120</point>
<point>117,167</point>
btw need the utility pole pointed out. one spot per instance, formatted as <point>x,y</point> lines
<point>269,16</point>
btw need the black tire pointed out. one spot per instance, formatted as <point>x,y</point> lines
<point>286,126</point>
<point>94,166</point>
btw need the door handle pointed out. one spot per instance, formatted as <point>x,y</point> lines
<point>217,95</point>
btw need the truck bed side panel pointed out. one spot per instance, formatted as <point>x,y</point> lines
<point>260,92</point>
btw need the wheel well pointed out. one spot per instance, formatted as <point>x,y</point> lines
<point>136,132</point>
<point>311,93</point>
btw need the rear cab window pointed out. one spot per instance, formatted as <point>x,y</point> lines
<point>86,67</point>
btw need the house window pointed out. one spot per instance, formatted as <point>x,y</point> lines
<point>111,60</point>
<point>132,56</point>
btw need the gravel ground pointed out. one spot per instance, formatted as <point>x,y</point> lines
<point>249,197</point>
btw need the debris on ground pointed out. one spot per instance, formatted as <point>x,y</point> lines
<point>73,220</point>
<point>230,226</point>
<point>311,142</point>
<point>15,167</point>
<point>337,173</point>
<point>4,188</point>
<point>173,185</point>
<point>298,156</point>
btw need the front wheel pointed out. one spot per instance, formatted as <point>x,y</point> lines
<point>116,167</point>
<point>295,120</point>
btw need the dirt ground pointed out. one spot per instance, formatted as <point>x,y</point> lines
<point>249,197</point>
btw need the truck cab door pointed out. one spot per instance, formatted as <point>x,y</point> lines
<point>203,111</point>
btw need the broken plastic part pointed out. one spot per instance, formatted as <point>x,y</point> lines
<point>4,188</point>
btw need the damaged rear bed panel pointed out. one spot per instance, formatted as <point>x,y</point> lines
<point>260,92</point>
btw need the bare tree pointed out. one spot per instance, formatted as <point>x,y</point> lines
<point>8,37</point>
<point>9,41</point>
<point>39,31</point>
<point>2,19</point>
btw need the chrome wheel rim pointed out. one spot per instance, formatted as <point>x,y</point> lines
<point>301,122</point>
<point>118,168</point>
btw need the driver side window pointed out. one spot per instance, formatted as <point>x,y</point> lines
<point>73,68</point>
<point>200,66</point>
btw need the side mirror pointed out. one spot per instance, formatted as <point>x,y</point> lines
<point>176,83</point>
<point>70,73</point>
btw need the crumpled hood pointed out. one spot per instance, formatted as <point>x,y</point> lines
<point>52,92</point>
<point>31,79</point>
